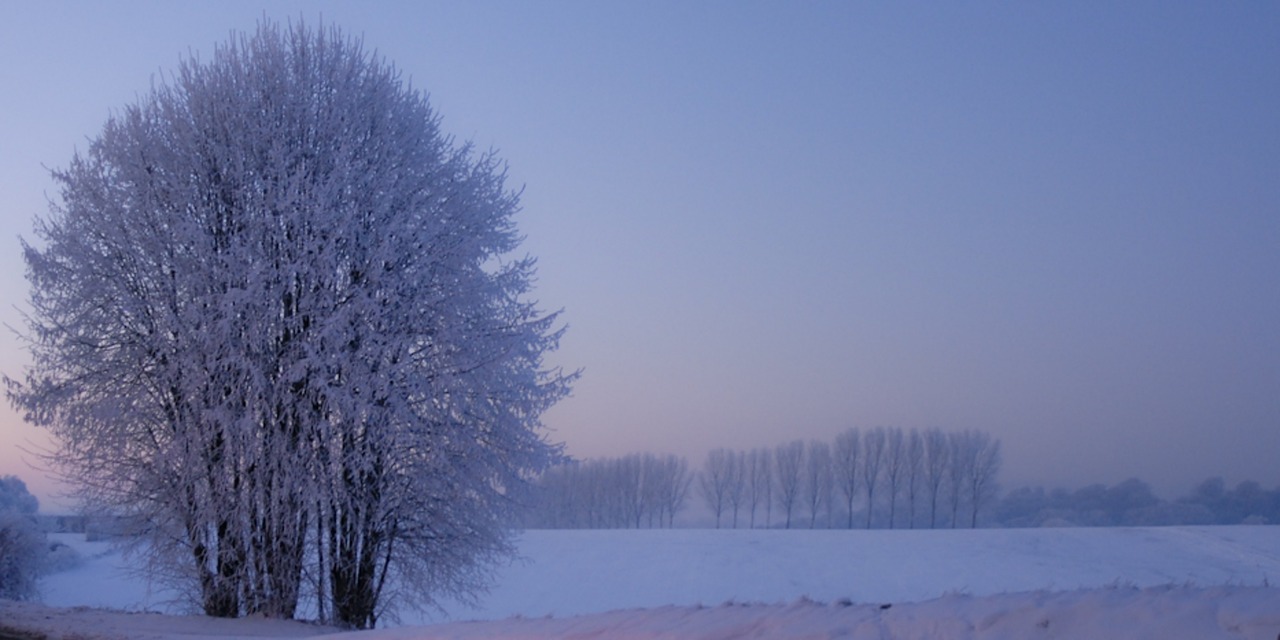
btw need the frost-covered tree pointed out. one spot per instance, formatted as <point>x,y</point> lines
<point>274,321</point>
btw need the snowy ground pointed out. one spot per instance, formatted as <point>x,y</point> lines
<point>1176,582</point>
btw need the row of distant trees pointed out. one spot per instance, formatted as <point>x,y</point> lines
<point>878,477</point>
<point>633,491</point>
<point>882,476</point>
<point>1133,503</point>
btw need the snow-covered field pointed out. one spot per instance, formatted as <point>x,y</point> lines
<point>1175,582</point>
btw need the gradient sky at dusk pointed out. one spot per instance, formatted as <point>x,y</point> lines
<point>1056,222</point>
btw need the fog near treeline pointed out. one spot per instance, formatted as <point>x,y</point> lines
<point>882,478</point>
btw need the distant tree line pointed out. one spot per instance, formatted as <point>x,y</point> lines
<point>634,491</point>
<point>881,477</point>
<point>875,478</point>
<point>1133,503</point>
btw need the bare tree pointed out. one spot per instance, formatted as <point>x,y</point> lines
<point>982,465</point>
<point>674,486</point>
<point>895,458</point>
<point>758,480</point>
<point>632,491</point>
<point>873,446</point>
<point>736,491</point>
<point>914,469</point>
<point>553,506</point>
<point>937,452</point>
<point>770,472</point>
<point>789,462</point>
<point>847,472</point>
<point>629,473</point>
<point>817,480</point>
<point>715,480</point>
<point>651,489</point>
<point>957,471</point>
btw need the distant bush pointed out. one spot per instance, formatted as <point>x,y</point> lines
<point>15,497</point>
<point>61,557</point>
<point>1132,503</point>
<point>22,543</point>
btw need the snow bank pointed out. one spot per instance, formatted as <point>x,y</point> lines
<point>1155,613</point>
<point>1159,613</point>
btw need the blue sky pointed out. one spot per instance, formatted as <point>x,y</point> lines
<point>1056,222</point>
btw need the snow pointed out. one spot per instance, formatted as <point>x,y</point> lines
<point>1175,582</point>
<point>85,623</point>
<point>1157,613</point>
<point>604,570</point>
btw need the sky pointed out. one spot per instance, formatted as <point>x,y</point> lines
<point>1055,222</point>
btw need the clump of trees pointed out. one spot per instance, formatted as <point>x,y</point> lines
<point>23,548</point>
<point>633,491</point>
<point>881,477</point>
<point>1133,503</point>
<point>1246,503</point>
<point>886,477</point>
<point>275,326</point>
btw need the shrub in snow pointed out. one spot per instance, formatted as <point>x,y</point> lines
<point>22,544</point>
<point>61,557</point>
<point>22,551</point>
